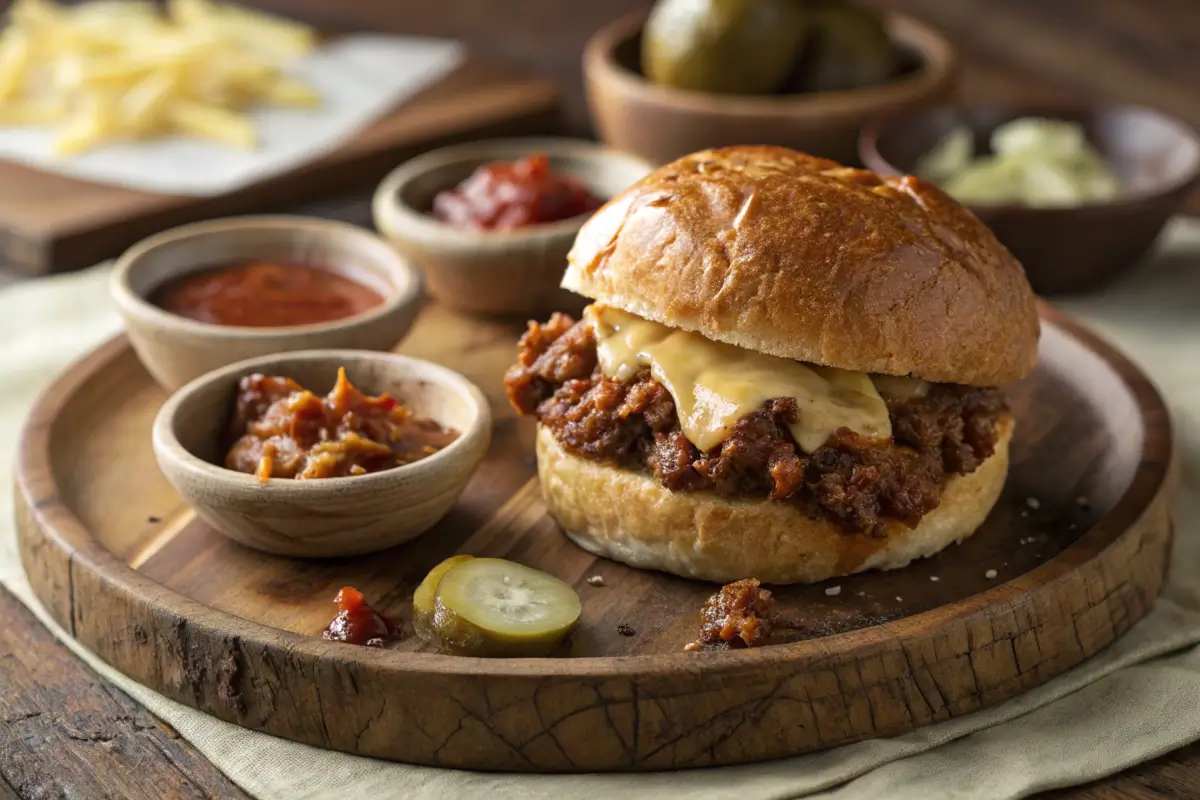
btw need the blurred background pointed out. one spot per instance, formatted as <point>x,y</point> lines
<point>1143,51</point>
<point>877,82</point>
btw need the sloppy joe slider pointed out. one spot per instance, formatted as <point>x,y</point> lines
<point>791,371</point>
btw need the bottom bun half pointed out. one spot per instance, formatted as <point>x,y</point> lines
<point>630,517</point>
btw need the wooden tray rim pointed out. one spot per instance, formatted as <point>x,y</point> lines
<point>68,531</point>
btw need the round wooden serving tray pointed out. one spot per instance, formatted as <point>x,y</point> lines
<point>1076,548</point>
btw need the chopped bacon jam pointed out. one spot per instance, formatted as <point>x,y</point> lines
<point>851,481</point>
<point>285,431</point>
<point>735,617</point>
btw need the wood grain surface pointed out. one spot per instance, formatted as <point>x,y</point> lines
<point>101,742</point>
<point>53,223</point>
<point>1049,579</point>
<point>1136,51</point>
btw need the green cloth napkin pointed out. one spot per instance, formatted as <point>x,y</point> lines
<point>1136,700</point>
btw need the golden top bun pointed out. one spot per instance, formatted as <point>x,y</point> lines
<point>799,257</point>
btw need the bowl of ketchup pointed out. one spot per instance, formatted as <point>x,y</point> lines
<point>490,223</point>
<point>202,296</point>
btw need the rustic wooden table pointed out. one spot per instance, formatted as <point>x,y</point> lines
<point>67,733</point>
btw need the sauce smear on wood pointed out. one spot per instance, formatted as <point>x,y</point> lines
<point>358,623</point>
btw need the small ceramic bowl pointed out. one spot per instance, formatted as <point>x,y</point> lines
<point>661,123</point>
<point>495,272</point>
<point>330,516</point>
<point>175,349</point>
<point>1074,249</point>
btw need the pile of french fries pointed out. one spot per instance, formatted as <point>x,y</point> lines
<point>122,70</point>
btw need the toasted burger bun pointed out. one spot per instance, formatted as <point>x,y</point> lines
<point>630,517</point>
<point>799,257</point>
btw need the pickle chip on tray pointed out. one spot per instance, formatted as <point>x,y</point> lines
<point>490,607</point>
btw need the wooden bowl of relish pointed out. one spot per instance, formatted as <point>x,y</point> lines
<point>202,296</point>
<point>490,223</point>
<point>323,453</point>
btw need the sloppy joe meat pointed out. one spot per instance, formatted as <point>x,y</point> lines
<point>850,480</point>
<point>735,617</point>
<point>281,430</point>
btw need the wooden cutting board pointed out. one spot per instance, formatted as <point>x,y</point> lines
<point>49,223</point>
<point>125,566</point>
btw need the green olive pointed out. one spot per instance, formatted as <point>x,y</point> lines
<point>723,46</point>
<point>426,595</point>
<point>493,608</point>
<point>848,48</point>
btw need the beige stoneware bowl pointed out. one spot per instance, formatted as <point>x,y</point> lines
<point>327,517</point>
<point>495,272</point>
<point>175,349</point>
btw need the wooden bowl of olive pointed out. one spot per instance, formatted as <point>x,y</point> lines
<point>694,74</point>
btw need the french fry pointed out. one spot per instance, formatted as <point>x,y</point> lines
<point>34,14</point>
<point>94,122</point>
<point>143,107</point>
<point>14,62</point>
<point>213,122</point>
<point>291,93</point>
<point>254,29</point>
<point>118,70</point>
<point>32,113</point>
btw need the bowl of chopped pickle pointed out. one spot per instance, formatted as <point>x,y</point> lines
<point>1077,195</point>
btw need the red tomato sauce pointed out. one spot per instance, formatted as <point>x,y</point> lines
<point>264,294</point>
<point>504,196</point>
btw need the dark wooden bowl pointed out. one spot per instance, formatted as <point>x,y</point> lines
<point>661,124</point>
<point>1065,250</point>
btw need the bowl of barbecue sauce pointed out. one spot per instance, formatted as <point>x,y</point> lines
<point>202,296</point>
<point>490,223</point>
<point>266,294</point>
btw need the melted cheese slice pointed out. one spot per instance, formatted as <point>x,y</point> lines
<point>894,387</point>
<point>714,384</point>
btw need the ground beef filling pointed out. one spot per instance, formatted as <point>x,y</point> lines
<point>850,480</point>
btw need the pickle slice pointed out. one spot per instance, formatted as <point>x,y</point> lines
<point>426,594</point>
<point>492,608</point>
